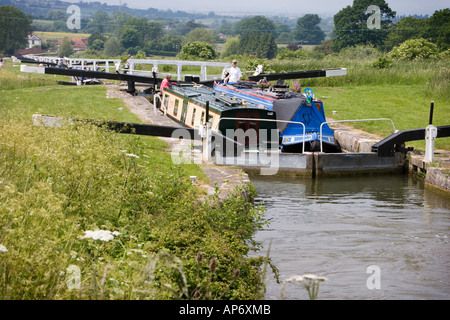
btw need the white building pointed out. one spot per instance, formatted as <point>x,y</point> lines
<point>33,40</point>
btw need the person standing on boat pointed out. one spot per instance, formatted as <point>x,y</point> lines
<point>165,83</point>
<point>234,73</point>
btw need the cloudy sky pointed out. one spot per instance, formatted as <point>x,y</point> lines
<point>273,7</point>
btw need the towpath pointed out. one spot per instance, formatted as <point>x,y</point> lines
<point>225,178</point>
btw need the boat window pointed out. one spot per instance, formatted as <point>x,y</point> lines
<point>166,100</point>
<point>318,106</point>
<point>194,109</point>
<point>202,118</point>
<point>175,108</point>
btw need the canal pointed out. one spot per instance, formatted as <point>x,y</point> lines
<point>372,237</point>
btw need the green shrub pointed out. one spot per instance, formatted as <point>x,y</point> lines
<point>382,63</point>
<point>197,51</point>
<point>415,49</point>
<point>285,54</point>
<point>445,55</point>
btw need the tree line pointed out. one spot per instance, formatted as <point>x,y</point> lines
<point>122,33</point>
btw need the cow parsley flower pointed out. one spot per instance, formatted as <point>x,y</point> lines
<point>103,235</point>
<point>3,248</point>
<point>309,281</point>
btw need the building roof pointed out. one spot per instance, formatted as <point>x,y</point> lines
<point>79,44</point>
<point>33,37</point>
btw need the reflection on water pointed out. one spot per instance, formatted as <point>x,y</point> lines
<point>338,227</point>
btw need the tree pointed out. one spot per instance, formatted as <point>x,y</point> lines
<point>98,45</point>
<point>119,19</point>
<point>406,28</point>
<point>145,30</point>
<point>255,25</point>
<point>14,28</point>
<point>129,38</point>
<point>95,36</point>
<point>308,30</point>
<point>189,26</point>
<point>261,45</point>
<point>66,48</point>
<point>100,22</point>
<point>197,51</point>
<point>231,47</point>
<point>169,43</point>
<point>438,30</point>
<point>112,47</point>
<point>200,34</point>
<point>59,26</point>
<point>286,37</point>
<point>351,24</point>
<point>56,15</point>
<point>281,28</point>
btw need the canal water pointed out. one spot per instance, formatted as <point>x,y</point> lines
<point>372,237</point>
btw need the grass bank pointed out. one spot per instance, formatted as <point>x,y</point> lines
<point>90,214</point>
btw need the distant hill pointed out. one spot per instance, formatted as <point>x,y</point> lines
<point>39,9</point>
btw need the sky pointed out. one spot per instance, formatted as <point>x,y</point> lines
<point>276,7</point>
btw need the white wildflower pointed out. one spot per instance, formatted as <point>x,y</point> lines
<point>313,277</point>
<point>103,235</point>
<point>131,155</point>
<point>309,281</point>
<point>297,278</point>
<point>3,248</point>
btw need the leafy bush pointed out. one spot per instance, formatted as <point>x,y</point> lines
<point>197,51</point>
<point>382,63</point>
<point>415,49</point>
<point>445,55</point>
<point>231,47</point>
<point>285,54</point>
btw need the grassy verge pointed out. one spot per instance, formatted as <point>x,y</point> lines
<point>404,105</point>
<point>90,214</point>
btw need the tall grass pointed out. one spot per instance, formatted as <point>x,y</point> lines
<point>10,80</point>
<point>58,186</point>
<point>58,183</point>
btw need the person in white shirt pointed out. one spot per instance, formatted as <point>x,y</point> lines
<point>234,73</point>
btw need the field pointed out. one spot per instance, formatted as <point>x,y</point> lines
<point>59,35</point>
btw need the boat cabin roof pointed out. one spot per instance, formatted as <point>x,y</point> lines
<point>201,94</point>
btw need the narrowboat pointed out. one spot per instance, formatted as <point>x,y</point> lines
<point>190,104</point>
<point>301,118</point>
<point>298,116</point>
